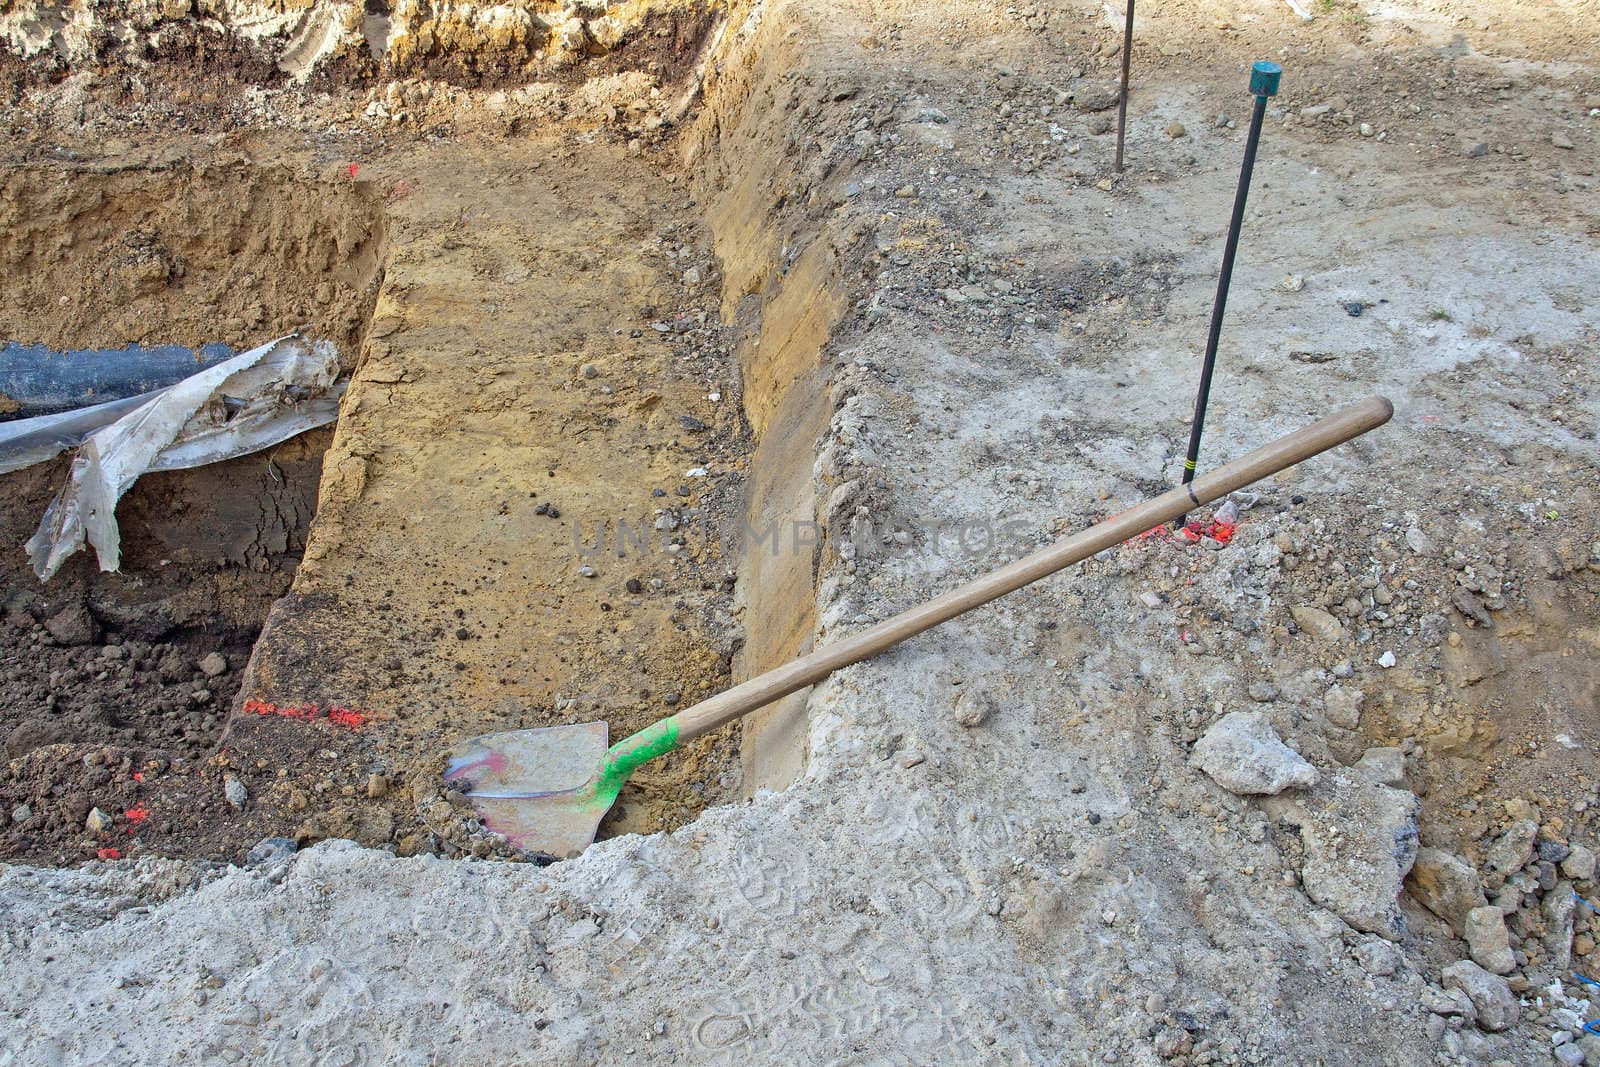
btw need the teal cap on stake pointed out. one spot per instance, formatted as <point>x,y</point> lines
<point>1264,78</point>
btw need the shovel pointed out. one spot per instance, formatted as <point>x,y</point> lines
<point>546,790</point>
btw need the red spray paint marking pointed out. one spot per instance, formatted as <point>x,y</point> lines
<point>1220,532</point>
<point>137,814</point>
<point>108,854</point>
<point>138,776</point>
<point>350,172</point>
<point>1191,532</point>
<point>352,720</point>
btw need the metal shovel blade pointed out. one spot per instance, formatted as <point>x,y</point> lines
<point>536,787</point>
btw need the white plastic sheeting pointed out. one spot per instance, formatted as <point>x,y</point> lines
<point>250,402</point>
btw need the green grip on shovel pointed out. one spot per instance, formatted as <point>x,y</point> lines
<point>629,754</point>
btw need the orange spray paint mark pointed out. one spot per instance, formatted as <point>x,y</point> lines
<point>108,854</point>
<point>137,814</point>
<point>352,720</point>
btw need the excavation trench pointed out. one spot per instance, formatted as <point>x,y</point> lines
<point>105,677</point>
<point>566,484</point>
<point>535,511</point>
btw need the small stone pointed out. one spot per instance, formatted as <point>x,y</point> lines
<point>1487,940</point>
<point>1551,851</point>
<point>1317,623</point>
<point>1512,850</point>
<point>213,664</point>
<point>589,370</point>
<point>73,625</point>
<point>1477,150</point>
<point>234,792</point>
<point>1150,599</point>
<point>1446,885</point>
<point>1420,542</point>
<point>1096,95</point>
<point>377,786</point>
<point>21,813</point>
<point>1386,765</point>
<point>972,710</point>
<point>1292,283</point>
<point>1378,957</point>
<point>905,192</point>
<point>1243,753</point>
<point>1561,140</point>
<point>1263,692</point>
<point>587,571</point>
<point>1490,995</point>
<point>1175,130</point>
<point>269,849</point>
<point>1579,864</point>
<point>1387,660</point>
<point>1569,1055</point>
<point>1342,704</point>
<point>98,822</point>
<point>1448,1002</point>
<point>1366,129</point>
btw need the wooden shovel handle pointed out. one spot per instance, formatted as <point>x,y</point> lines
<point>1285,452</point>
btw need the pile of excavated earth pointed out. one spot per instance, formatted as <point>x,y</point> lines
<point>683,338</point>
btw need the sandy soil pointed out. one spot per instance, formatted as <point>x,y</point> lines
<point>998,847</point>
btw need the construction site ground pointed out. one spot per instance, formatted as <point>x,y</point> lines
<point>699,335</point>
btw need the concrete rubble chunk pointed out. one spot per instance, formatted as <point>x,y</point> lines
<point>1360,841</point>
<point>1512,849</point>
<point>1446,885</point>
<point>1488,941</point>
<point>1491,997</point>
<point>1243,754</point>
<point>1559,906</point>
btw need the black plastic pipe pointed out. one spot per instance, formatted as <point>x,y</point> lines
<point>42,381</point>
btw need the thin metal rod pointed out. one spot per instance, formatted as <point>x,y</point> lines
<point>1223,280</point>
<point>1122,98</point>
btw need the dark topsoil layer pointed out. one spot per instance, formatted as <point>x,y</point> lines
<point>114,688</point>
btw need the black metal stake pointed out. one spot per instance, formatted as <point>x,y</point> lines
<point>1122,99</point>
<point>1263,84</point>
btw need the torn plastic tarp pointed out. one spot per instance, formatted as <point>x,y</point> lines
<point>28,441</point>
<point>250,402</point>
